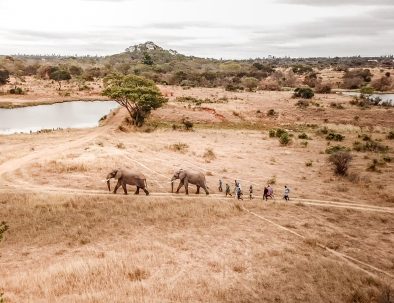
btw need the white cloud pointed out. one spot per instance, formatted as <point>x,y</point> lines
<point>210,28</point>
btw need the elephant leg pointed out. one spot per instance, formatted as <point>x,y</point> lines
<point>137,192</point>
<point>206,190</point>
<point>179,186</point>
<point>124,188</point>
<point>117,186</point>
<point>187,187</point>
<point>198,190</point>
<point>146,191</point>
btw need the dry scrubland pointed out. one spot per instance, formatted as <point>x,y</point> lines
<point>70,241</point>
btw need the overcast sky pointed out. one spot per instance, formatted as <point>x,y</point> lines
<point>207,28</point>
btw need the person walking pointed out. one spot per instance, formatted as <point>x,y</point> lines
<point>250,192</point>
<point>228,190</point>
<point>239,193</point>
<point>270,192</point>
<point>265,194</point>
<point>220,185</point>
<point>286,193</point>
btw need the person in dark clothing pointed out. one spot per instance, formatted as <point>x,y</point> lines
<point>286,193</point>
<point>220,185</point>
<point>228,192</point>
<point>265,194</point>
<point>251,192</point>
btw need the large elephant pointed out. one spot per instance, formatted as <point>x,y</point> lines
<point>187,177</point>
<point>125,177</point>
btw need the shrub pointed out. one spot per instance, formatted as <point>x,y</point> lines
<point>366,90</point>
<point>120,145</point>
<point>209,155</point>
<point>16,91</point>
<point>179,147</point>
<point>336,105</point>
<point>370,146</point>
<point>304,143</point>
<point>309,163</point>
<point>284,139</point>
<point>373,166</point>
<point>187,124</point>
<point>250,83</point>
<point>303,136</point>
<point>4,76</point>
<point>390,135</point>
<point>271,113</point>
<point>341,161</point>
<point>323,88</point>
<point>279,132</point>
<point>356,78</point>
<point>335,149</point>
<point>303,92</point>
<point>3,229</point>
<point>335,137</point>
<point>272,133</point>
<point>302,103</point>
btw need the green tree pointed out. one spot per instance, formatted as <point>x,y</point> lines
<point>59,76</point>
<point>4,76</point>
<point>147,59</point>
<point>250,83</point>
<point>138,95</point>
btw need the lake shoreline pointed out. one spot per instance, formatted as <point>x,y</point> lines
<point>18,103</point>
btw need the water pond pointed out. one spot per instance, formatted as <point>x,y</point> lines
<point>75,114</point>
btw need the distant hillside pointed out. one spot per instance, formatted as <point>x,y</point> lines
<point>170,67</point>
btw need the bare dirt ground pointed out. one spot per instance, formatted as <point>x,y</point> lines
<point>69,240</point>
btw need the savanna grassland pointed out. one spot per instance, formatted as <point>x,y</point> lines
<point>65,238</point>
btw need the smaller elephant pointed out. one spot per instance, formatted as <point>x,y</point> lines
<point>125,177</point>
<point>187,177</point>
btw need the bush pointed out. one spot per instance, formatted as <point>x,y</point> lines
<point>250,83</point>
<point>271,113</point>
<point>335,137</point>
<point>272,133</point>
<point>336,148</point>
<point>3,229</point>
<point>4,76</point>
<point>209,155</point>
<point>179,147</point>
<point>16,91</point>
<point>336,105</point>
<point>302,103</point>
<point>370,146</point>
<point>303,136</point>
<point>187,124</point>
<point>323,88</point>
<point>390,135</point>
<point>303,92</point>
<point>309,163</point>
<point>284,139</point>
<point>341,161</point>
<point>366,90</point>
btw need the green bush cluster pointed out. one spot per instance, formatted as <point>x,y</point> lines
<point>335,137</point>
<point>303,92</point>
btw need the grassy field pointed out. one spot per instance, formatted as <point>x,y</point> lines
<point>76,248</point>
<point>69,240</point>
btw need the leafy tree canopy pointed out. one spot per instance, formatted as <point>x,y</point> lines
<point>137,94</point>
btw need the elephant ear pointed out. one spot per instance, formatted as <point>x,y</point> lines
<point>182,174</point>
<point>118,174</point>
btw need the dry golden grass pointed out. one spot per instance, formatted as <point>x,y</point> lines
<point>70,241</point>
<point>107,248</point>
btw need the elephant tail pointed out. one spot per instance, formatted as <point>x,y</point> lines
<point>146,183</point>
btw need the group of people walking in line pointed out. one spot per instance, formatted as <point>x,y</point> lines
<point>267,193</point>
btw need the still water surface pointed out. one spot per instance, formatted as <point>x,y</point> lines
<point>75,114</point>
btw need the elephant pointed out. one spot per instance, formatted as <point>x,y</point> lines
<point>125,177</point>
<point>187,177</point>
